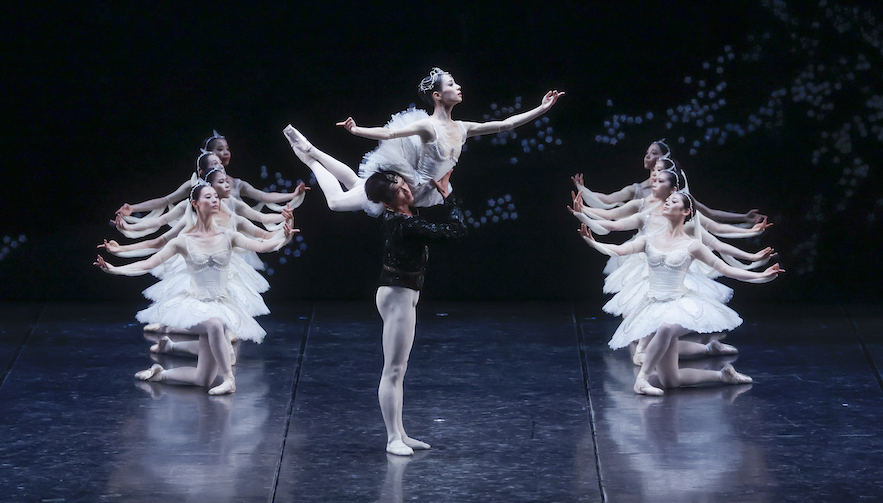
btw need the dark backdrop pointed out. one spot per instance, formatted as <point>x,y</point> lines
<point>105,104</point>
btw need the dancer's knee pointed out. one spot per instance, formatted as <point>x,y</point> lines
<point>394,372</point>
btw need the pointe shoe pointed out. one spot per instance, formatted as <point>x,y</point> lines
<point>638,358</point>
<point>415,444</point>
<point>162,346</point>
<point>151,374</point>
<point>399,448</point>
<point>153,327</point>
<point>717,347</point>
<point>225,388</point>
<point>730,376</point>
<point>296,139</point>
<point>642,387</point>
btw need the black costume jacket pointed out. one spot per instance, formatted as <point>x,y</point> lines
<point>406,243</point>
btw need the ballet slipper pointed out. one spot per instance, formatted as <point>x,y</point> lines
<point>296,139</point>
<point>717,347</point>
<point>153,327</point>
<point>399,448</point>
<point>154,373</point>
<point>415,444</point>
<point>164,345</point>
<point>643,387</point>
<point>225,388</point>
<point>730,376</point>
<point>638,358</point>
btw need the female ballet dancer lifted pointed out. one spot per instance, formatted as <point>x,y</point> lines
<point>669,310</point>
<point>205,308</point>
<point>405,253</point>
<point>419,147</point>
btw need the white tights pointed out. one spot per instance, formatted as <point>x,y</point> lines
<point>398,309</point>
<point>330,173</point>
<point>213,357</point>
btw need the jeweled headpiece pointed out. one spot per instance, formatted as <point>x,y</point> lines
<point>199,183</point>
<point>203,153</point>
<point>667,148</point>
<point>214,136</point>
<point>209,173</point>
<point>428,82</point>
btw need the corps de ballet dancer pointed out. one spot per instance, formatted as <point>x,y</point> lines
<point>419,147</point>
<point>407,236</point>
<point>205,308</point>
<point>669,310</point>
<point>657,150</point>
<point>216,145</point>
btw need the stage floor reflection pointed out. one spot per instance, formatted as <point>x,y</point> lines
<point>520,401</point>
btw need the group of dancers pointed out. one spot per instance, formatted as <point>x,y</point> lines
<point>663,278</point>
<point>207,268</point>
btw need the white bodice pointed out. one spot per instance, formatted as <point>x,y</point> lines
<point>667,271</point>
<point>438,157</point>
<point>208,266</point>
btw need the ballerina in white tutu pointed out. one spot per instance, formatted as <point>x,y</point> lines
<point>217,146</point>
<point>206,308</point>
<point>639,190</point>
<point>419,147</point>
<point>669,310</point>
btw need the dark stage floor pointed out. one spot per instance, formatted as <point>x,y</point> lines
<point>521,401</point>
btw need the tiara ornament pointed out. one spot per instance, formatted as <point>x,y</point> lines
<point>428,83</point>
<point>214,136</point>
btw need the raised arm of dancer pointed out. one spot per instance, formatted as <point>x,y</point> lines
<point>601,200</point>
<point>241,241</point>
<point>142,248</point>
<point>731,231</point>
<point>719,246</point>
<point>628,209</point>
<point>627,248</point>
<point>422,128</point>
<point>480,128</point>
<point>297,197</point>
<point>246,211</point>
<point>752,217</point>
<point>141,267</point>
<point>246,227</point>
<point>151,223</point>
<point>153,204</point>
<point>604,227</point>
<point>701,252</point>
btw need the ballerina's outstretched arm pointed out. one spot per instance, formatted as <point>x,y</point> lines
<point>240,240</point>
<point>601,226</point>
<point>154,204</point>
<point>732,231</point>
<point>702,253</point>
<point>480,128</point>
<point>601,200</point>
<point>295,198</point>
<point>142,267</point>
<point>147,225</point>
<point>628,209</point>
<point>751,217</point>
<point>627,248</point>
<point>728,252</point>
<point>143,248</point>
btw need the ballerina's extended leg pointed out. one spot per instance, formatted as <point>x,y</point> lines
<point>330,173</point>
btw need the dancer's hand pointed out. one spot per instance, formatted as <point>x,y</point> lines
<point>119,223</point>
<point>125,210</point>
<point>300,189</point>
<point>111,246</point>
<point>754,216</point>
<point>762,225</point>
<point>349,124</point>
<point>585,232</point>
<point>577,202</point>
<point>101,264</point>
<point>442,185</point>
<point>773,271</point>
<point>288,228</point>
<point>550,99</point>
<point>577,180</point>
<point>763,254</point>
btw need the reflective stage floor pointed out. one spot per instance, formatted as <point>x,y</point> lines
<point>520,401</point>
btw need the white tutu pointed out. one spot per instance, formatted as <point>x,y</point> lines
<point>417,162</point>
<point>209,282</point>
<point>671,296</point>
